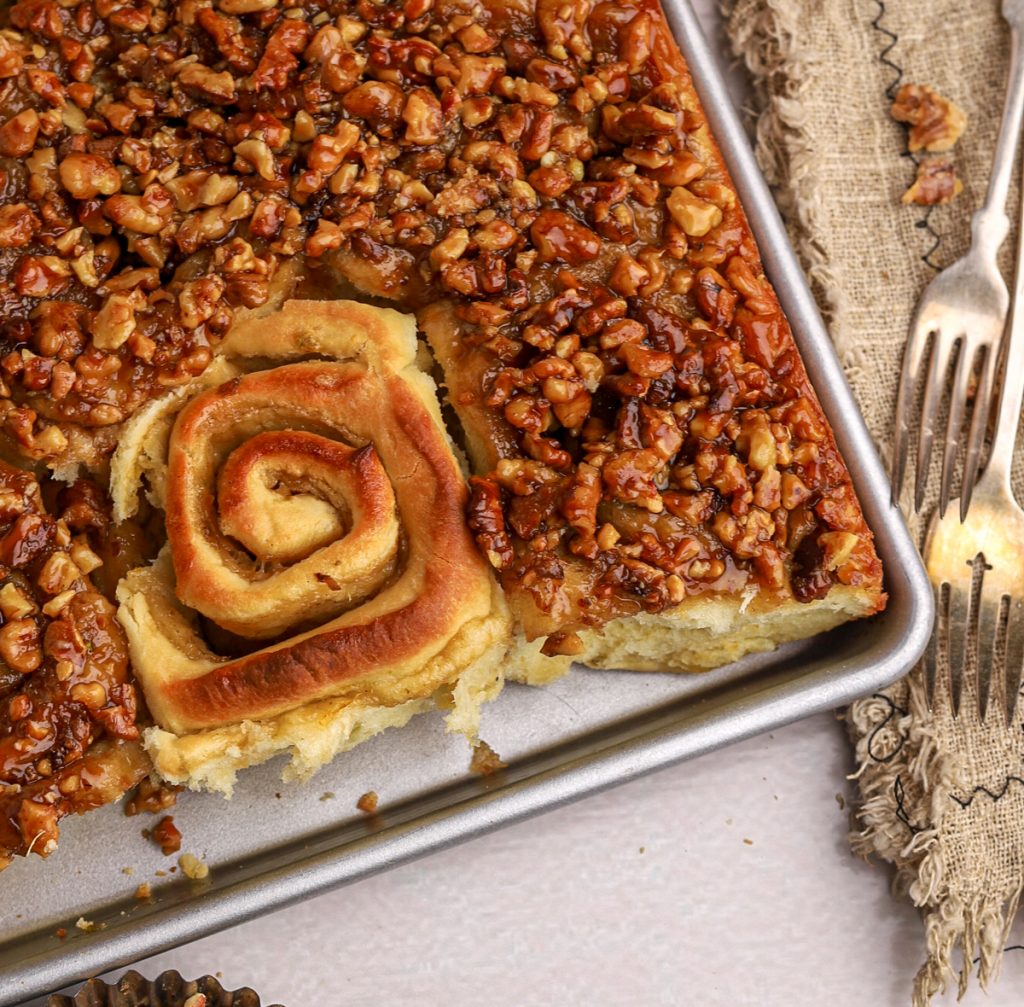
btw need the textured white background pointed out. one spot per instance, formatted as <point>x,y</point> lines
<point>646,895</point>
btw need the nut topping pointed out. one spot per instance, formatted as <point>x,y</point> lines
<point>65,697</point>
<point>548,182</point>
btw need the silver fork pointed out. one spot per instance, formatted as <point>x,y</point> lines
<point>977,566</point>
<point>963,309</point>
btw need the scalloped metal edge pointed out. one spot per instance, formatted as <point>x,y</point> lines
<point>169,989</point>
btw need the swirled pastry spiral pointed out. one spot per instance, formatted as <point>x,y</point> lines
<point>319,581</point>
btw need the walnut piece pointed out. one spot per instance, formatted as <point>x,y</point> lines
<point>936,183</point>
<point>936,123</point>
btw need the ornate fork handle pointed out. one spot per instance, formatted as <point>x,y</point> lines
<point>996,477</point>
<point>989,227</point>
<point>990,224</point>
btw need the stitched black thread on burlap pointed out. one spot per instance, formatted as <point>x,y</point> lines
<point>883,56</point>
<point>924,223</point>
<point>894,711</point>
<point>966,802</point>
<point>899,793</point>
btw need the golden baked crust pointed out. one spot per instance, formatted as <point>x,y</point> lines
<point>315,517</point>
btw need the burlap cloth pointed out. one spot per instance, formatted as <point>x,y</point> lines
<point>942,801</point>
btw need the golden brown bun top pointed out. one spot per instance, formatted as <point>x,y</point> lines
<point>315,513</point>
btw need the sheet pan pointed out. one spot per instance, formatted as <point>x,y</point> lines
<point>275,844</point>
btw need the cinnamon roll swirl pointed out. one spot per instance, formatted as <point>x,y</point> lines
<point>319,581</point>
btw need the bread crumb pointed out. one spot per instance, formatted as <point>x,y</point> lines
<point>327,795</point>
<point>368,802</point>
<point>193,867</point>
<point>485,760</point>
<point>128,870</point>
<point>749,842</point>
<point>144,891</point>
<point>87,925</point>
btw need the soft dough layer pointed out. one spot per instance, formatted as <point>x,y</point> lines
<point>358,632</point>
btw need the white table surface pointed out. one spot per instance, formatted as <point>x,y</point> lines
<point>649,894</point>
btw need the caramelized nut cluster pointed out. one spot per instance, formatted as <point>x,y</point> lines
<point>63,674</point>
<point>935,183</point>
<point>935,123</point>
<point>545,167</point>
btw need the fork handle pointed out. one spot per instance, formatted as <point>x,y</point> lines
<point>1012,396</point>
<point>990,224</point>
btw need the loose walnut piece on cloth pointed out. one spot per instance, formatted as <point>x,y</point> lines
<point>936,123</point>
<point>936,183</point>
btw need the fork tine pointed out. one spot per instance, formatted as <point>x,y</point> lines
<point>956,647</point>
<point>1014,656</point>
<point>955,419</point>
<point>988,626</point>
<point>979,427</point>
<point>935,382</point>
<point>913,355</point>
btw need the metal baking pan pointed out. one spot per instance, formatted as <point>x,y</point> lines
<point>276,844</point>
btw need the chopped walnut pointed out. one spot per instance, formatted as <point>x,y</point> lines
<point>936,183</point>
<point>936,123</point>
<point>166,835</point>
<point>368,802</point>
<point>152,797</point>
<point>548,179</point>
<point>67,709</point>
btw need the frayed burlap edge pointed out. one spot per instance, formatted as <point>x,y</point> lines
<point>923,786</point>
<point>766,36</point>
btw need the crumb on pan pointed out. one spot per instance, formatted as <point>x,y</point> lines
<point>192,867</point>
<point>167,836</point>
<point>485,760</point>
<point>368,802</point>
